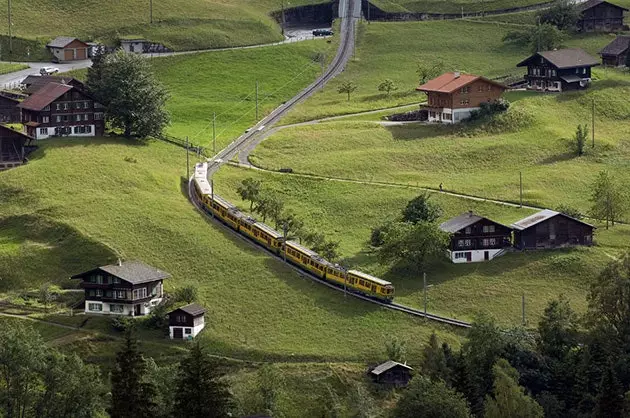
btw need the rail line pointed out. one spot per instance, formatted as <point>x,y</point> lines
<point>349,12</point>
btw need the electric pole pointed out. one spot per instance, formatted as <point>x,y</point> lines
<point>520,175</point>
<point>10,34</point>
<point>187,160</point>
<point>284,233</point>
<point>345,282</point>
<point>523,308</point>
<point>214,133</point>
<point>593,121</point>
<point>424,285</point>
<point>282,21</point>
<point>256,100</point>
<point>151,11</point>
<point>212,194</point>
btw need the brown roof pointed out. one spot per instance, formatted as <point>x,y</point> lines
<point>616,47</point>
<point>453,81</point>
<point>45,96</point>
<point>62,41</point>
<point>564,58</point>
<point>36,82</point>
<point>192,309</point>
<point>592,3</point>
<point>5,129</point>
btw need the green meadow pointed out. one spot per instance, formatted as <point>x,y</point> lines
<point>450,6</point>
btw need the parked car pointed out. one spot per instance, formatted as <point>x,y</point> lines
<point>322,32</point>
<point>48,70</point>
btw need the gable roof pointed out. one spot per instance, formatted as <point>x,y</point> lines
<point>134,272</point>
<point>390,364</point>
<point>192,309</point>
<point>62,41</point>
<point>539,217</point>
<point>617,46</point>
<point>564,58</point>
<point>592,3</point>
<point>45,96</point>
<point>463,221</point>
<point>36,82</point>
<point>453,81</point>
<point>5,129</point>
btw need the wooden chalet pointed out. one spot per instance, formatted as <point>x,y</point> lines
<point>9,110</point>
<point>32,83</point>
<point>186,322</point>
<point>126,288</point>
<point>391,373</point>
<point>616,53</point>
<point>475,238</point>
<point>559,70</point>
<point>11,147</point>
<point>600,16</point>
<point>452,96</point>
<point>64,48</point>
<point>551,229</point>
<point>61,110</point>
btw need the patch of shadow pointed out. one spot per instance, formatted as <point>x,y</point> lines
<point>559,158</point>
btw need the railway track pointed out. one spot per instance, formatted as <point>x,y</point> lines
<point>349,12</point>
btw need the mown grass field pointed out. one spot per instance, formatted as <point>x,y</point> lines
<point>450,6</point>
<point>467,46</point>
<point>348,211</point>
<point>179,24</point>
<point>100,199</point>
<point>6,67</point>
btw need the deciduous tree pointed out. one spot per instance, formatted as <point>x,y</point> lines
<point>427,71</point>
<point>542,37</point>
<point>387,86</point>
<point>187,294</point>
<point>608,199</point>
<point>557,329</point>
<point>201,392</point>
<point>434,360</point>
<point>431,399</point>
<point>509,399</point>
<point>250,190</point>
<point>347,87</point>
<point>563,14</point>
<point>396,350</point>
<point>580,137</point>
<point>421,209</point>
<point>134,99</point>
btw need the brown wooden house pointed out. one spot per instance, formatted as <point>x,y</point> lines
<point>451,97</point>
<point>391,373</point>
<point>551,229</point>
<point>9,110</point>
<point>600,16</point>
<point>475,238</point>
<point>61,110</point>
<point>616,53</point>
<point>32,83</point>
<point>126,288</point>
<point>64,48</point>
<point>11,147</point>
<point>559,70</point>
<point>186,322</point>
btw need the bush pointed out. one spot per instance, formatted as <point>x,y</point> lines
<point>158,318</point>
<point>122,323</point>
<point>378,236</point>
<point>570,211</point>
<point>489,109</point>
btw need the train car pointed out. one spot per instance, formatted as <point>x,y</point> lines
<point>261,233</point>
<point>370,285</point>
<point>307,259</point>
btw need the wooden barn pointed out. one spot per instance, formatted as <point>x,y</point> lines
<point>559,70</point>
<point>64,48</point>
<point>391,373</point>
<point>616,53</point>
<point>9,110</point>
<point>551,229</point>
<point>11,147</point>
<point>600,16</point>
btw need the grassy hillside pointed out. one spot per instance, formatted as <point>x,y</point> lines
<point>348,211</point>
<point>449,6</point>
<point>179,24</point>
<point>466,46</point>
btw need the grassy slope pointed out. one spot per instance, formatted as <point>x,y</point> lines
<point>477,48</point>
<point>449,6</point>
<point>179,24</point>
<point>347,212</point>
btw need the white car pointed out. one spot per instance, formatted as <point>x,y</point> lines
<point>48,70</point>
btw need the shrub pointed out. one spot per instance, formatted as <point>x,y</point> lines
<point>122,323</point>
<point>570,211</point>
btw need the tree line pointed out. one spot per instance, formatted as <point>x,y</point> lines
<point>571,365</point>
<point>269,205</point>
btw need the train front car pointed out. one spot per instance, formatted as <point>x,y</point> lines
<point>202,186</point>
<point>371,286</point>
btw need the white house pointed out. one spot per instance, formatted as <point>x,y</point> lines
<point>186,322</point>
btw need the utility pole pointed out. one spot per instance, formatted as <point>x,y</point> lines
<point>256,100</point>
<point>345,282</point>
<point>212,195</point>
<point>368,12</point>
<point>523,308</point>
<point>424,285</point>
<point>283,21</point>
<point>520,175</point>
<point>187,160</point>
<point>284,233</point>
<point>214,133</point>
<point>593,121</point>
<point>151,11</point>
<point>10,34</point>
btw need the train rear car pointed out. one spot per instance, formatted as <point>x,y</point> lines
<point>371,286</point>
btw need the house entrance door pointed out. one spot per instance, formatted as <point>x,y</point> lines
<point>178,333</point>
<point>136,310</point>
<point>486,255</point>
<point>468,257</point>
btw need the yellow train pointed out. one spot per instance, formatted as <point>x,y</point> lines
<point>305,258</point>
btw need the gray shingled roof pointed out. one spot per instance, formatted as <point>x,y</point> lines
<point>592,3</point>
<point>616,47</point>
<point>60,41</point>
<point>539,217</point>
<point>565,58</point>
<point>389,364</point>
<point>460,222</point>
<point>134,272</point>
<point>193,309</point>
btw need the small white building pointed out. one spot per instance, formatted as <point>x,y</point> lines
<point>135,45</point>
<point>64,48</point>
<point>125,288</point>
<point>186,322</point>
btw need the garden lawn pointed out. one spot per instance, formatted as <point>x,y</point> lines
<point>394,50</point>
<point>81,203</point>
<point>346,212</point>
<point>178,24</point>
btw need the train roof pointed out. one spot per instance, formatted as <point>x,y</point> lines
<point>370,277</point>
<point>310,253</point>
<point>269,230</point>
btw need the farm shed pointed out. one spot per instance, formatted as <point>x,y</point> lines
<point>616,53</point>
<point>600,16</point>
<point>186,322</point>
<point>551,229</point>
<point>391,373</point>
<point>66,48</point>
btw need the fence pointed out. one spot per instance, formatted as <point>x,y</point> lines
<point>197,149</point>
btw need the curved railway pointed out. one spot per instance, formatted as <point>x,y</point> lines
<point>349,11</point>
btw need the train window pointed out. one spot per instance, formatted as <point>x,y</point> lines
<point>373,288</point>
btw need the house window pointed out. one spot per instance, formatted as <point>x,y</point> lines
<point>98,105</point>
<point>489,87</point>
<point>465,90</point>
<point>78,118</point>
<point>85,116</point>
<point>116,280</point>
<point>121,294</point>
<point>553,73</point>
<point>88,129</point>
<point>58,118</point>
<point>66,118</point>
<point>47,108</point>
<point>464,101</point>
<point>58,106</point>
<point>86,105</point>
<point>65,106</point>
<point>187,331</point>
<point>45,119</point>
<point>98,278</point>
<point>488,229</point>
<point>43,131</point>
<point>91,292</point>
<point>99,293</point>
<point>117,308</point>
<point>460,255</point>
<point>468,230</point>
<point>140,293</point>
<point>95,307</point>
<point>181,318</point>
<point>77,105</point>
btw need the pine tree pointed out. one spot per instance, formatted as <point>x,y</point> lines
<point>509,399</point>
<point>434,361</point>
<point>610,399</point>
<point>132,395</point>
<point>200,392</point>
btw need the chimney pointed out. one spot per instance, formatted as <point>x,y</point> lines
<point>470,213</point>
<point>457,74</point>
<point>119,262</point>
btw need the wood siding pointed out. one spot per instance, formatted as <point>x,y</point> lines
<point>559,231</point>
<point>544,75</point>
<point>474,237</point>
<point>468,96</point>
<point>175,317</point>
<point>601,18</point>
<point>9,112</point>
